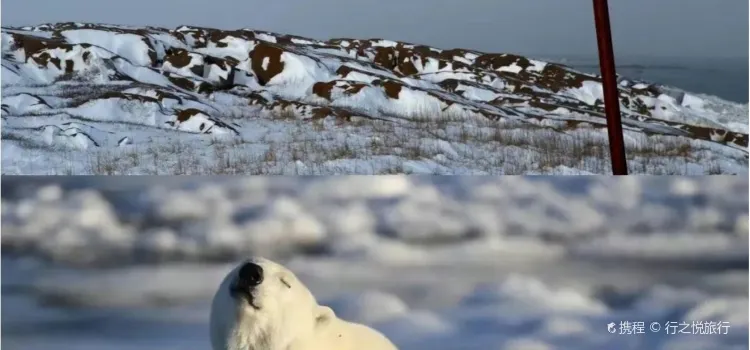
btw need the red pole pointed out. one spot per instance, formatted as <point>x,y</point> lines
<point>609,82</point>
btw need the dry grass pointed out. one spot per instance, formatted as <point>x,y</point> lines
<point>445,146</point>
<point>285,114</point>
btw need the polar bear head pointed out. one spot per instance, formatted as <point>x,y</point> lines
<point>261,305</point>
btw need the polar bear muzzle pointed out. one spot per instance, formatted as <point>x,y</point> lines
<point>249,276</point>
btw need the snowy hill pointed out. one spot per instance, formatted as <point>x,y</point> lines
<point>90,98</point>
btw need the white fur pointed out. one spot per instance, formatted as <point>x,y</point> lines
<point>285,319</point>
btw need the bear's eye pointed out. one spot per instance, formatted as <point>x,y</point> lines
<point>285,282</point>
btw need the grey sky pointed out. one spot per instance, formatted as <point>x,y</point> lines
<point>695,28</point>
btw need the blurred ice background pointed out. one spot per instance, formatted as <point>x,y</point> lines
<point>438,263</point>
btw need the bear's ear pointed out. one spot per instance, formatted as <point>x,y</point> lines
<point>324,315</point>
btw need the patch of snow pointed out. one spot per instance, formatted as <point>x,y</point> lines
<point>129,46</point>
<point>513,68</point>
<point>589,93</point>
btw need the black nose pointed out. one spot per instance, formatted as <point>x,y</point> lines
<point>250,275</point>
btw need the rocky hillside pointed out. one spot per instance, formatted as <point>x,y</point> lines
<point>93,98</point>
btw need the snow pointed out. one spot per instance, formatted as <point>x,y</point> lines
<point>129,46</point>
<point>433,262</point>
<point>691,101</point>
<point>66,138</point>
<point>23,103</point>
<point>229,46</point>
<point>195,60</point>
<point>513,68</point>
<point>266,37</point>
<point>537,66</point>
<point>589,93</point>
<point>300,72</point>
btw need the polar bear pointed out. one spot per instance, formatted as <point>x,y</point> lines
<point>261,305</point>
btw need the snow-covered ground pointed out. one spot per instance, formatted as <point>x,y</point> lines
<point>83,98</point>
<point>443,263</point>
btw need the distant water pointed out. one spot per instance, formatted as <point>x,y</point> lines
<point>725,78</point>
